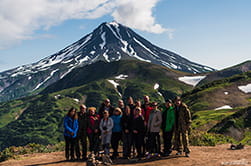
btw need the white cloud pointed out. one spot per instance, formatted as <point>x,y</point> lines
<point>20,18</point>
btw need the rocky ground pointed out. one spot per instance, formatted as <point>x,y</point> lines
<point>200,156</point>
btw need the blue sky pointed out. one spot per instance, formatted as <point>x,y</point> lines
<point>210,32</point>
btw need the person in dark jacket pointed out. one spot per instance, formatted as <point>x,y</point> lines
<point>116,131</point>
<point>182,127</point>
<point>168,120</point>
<point>121,105</point>
<point>70,133</point>
<point>82,133</point>
<point>131,104</point>
<point>106,106</point>
<point>138,129</point>
<point>126,125</point>
<point>93,121</point>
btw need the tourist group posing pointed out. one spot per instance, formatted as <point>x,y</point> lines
<point>137,126</point>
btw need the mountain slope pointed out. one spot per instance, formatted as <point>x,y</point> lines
<point>42,115</point>
<point>130,68</point>
<point>228,72</point>
<point>109,42</point>
<point>225,92</point>
<point>237,125</point>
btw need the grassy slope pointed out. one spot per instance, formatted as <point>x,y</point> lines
<point>211,95</point>
<point>41,120</point>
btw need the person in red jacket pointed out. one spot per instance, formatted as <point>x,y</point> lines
<point>93,130</point>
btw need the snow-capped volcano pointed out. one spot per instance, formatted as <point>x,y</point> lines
<point>109,42</point>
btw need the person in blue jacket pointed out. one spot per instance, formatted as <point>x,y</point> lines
<point>116,131</point>
<point>70,133</point>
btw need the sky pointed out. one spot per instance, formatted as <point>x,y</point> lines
<point>215,33</point>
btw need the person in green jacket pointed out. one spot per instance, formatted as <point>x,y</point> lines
<point>168,121</point>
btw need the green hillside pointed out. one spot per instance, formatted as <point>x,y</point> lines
<point>38,119</point>
<point>219,93</point>
<point>41,117</point>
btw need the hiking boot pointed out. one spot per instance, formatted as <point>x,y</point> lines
<point>179,153</point>
<point>187,154</point>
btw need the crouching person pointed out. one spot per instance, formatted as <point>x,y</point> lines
<point>70,133</point>
<point>106,125</point>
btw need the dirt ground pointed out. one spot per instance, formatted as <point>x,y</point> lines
<point>200,156</point>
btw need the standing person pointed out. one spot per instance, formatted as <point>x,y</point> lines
<point>70,133</point>
<point>106,106</point>
<point>116,131</point>
<point>82,133</point>
<point>131,104</point>
<point>126,125</point>
<point>146,109</point>
<point>138,129</point>
<point>168,120</point>
<point>121,105</point>
<point>153,128</point>
<point>93,130</point>
<point>182,126</point>
<point>106,125</point>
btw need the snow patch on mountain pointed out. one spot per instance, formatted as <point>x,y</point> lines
<point>156,86</point>
<point>92,52</point>
<point>245,88</point>
<point>106,56</point>
<point>142,45</point>
<point>86,58</point>
<point>115,84</point>
<point>45,80</point>
<point>104,40</point>
<point>121,77</point>
<point>191,80</point>
<point>223,107</point>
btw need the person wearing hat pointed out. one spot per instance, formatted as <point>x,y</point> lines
<point>182,126</point>
<point>168,120</point>
<point>106,106</point>
<point>82,133</point>
<point>153,129</point>
<point>93,130</point>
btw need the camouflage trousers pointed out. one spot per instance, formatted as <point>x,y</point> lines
<point>181,138</point>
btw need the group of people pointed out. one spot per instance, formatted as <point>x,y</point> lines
<point>135,125</point>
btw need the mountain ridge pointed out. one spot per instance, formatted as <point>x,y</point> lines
<point>108,42</point>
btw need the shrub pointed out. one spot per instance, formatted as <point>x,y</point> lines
<point>14,152</point>
<point>201,138</point>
